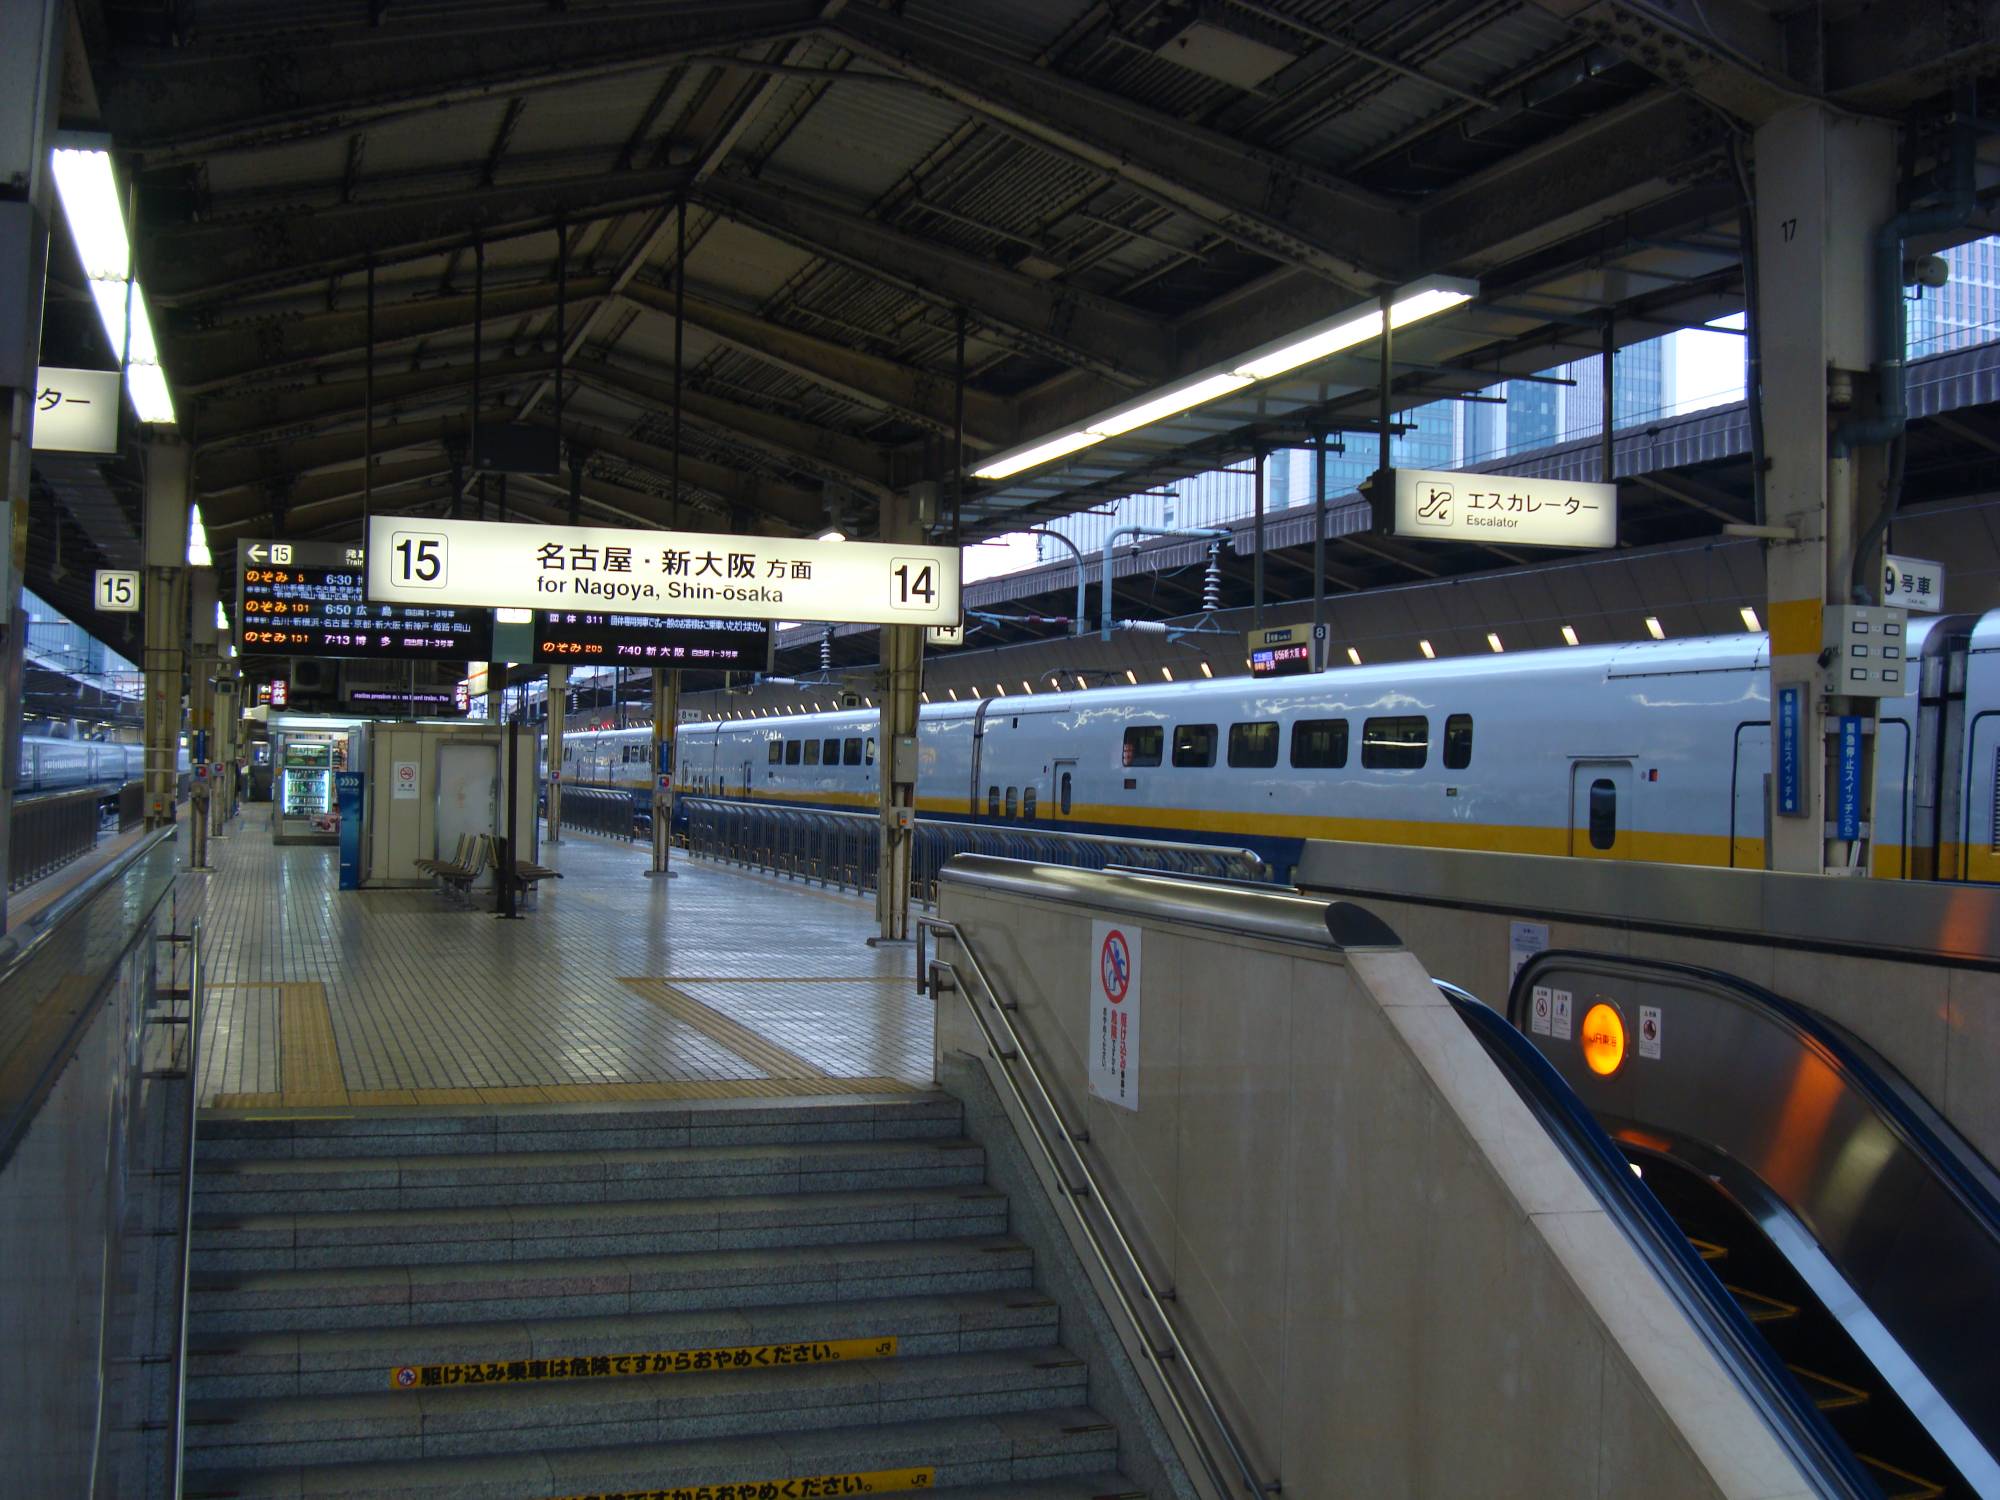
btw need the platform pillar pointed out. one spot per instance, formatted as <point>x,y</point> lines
<point>896,745</point>
<point>202,663</point>
<point>30,91</point>
<point>558,711</point>
<point>163,599</point>
<point>1825,182</point>
<point>666,725</point>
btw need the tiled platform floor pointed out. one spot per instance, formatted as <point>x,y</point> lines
<point>614,987</point>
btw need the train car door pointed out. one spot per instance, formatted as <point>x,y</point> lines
<point>1981,860</point>
<point>1600,809</point>
<point>1750,807</point>
<point>1062,790</point>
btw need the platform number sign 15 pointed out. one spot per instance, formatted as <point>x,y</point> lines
<point>118,590</point>
<point>418,560</point>
<point>912,583</point>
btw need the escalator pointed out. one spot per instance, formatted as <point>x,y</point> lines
<point>1834,1240</point>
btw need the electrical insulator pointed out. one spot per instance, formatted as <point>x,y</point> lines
<point>1211,582</point>
<point>826,652</point>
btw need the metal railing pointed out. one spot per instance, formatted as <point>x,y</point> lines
<point>843,848</point>
<point>594,810</point>
<point>51,831</point>
<point>177,1461</point>
<point>1223,1455</point>
<point>91,1176</point>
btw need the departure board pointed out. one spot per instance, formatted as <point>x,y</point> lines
<point>574,637</point>
<point>308,599</point>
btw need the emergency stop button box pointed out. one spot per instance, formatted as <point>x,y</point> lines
<point>1863,651</point>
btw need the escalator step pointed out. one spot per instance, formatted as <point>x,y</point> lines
<point>1708,1250</point>
<point>1758,1307</point>
<point>1827,1393</point>
<point>1899,1484</point>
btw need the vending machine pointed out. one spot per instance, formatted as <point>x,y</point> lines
<point>306,811</point>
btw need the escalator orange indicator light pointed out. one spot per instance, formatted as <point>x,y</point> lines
<point>1603,1038</point>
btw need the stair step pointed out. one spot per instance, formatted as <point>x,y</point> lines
<point>363,1360</point>
<point>419,1295</point>
<point>503,1129</point>
<point>307,1241</point>
<point>530,1416</point>
<point>997,1454</point>
<point>347,1183</point>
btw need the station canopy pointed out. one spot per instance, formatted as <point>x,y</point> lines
<point>824,214</point>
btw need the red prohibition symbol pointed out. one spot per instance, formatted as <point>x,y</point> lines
<point>1114,966</point>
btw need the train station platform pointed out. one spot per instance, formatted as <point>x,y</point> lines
<point>613,988</point>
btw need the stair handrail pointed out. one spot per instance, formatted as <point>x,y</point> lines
<point>187,1210</point>
<point>1247,1481</point>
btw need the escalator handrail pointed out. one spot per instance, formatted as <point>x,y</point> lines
<point>1932,1140</point>
<point>1759,1373</point>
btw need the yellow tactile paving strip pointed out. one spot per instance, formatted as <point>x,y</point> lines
<point>740,1039</point>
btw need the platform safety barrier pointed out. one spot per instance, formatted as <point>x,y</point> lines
<point>49,832</point>
<point>843,848</point>
<point>593,810</point>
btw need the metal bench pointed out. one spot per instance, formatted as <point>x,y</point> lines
<point>460,856</point>
<point>460,878</point>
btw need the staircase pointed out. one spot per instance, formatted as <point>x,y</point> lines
<point>721,1301</point>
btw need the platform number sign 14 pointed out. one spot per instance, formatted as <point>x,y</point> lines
<point>118,590</point>
<point>912,584</point>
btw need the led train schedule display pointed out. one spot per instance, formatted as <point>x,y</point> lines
<point>573,636</point>
<point>509,565</point>
<point>309,599</point>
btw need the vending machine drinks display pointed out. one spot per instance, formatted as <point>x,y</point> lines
<point>306,811</point>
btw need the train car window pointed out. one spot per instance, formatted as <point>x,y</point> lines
<point>812,752</point>
<point>1319,744</point>
<point>1194,744</point>
<point>1603,813</point>
<point>871,750</point>
<point>1027,802</point>
<point>1064,800</point>
<point>832,756</point>
<point>851,752</point>
<point>1013,801</point>
<point>1458,742</point>
<point>1142,745</point>
<point>1254,746</point>
<point>993,802</point>
<point>792,751</point>
<point>1399,744</point>
<point>777,748</point>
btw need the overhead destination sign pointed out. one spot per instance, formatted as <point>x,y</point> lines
<point>307,599</point>
<point>509,565</point>
<point>1440,506</point>
<point>575,636</point>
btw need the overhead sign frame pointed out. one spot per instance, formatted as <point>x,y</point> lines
<point>516,565</point>
<point>1439,505</point>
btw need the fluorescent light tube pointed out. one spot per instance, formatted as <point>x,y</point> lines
<point>151,401</point>
<point>89,195</point>
<point>1168,404</point>
<point>1331,339</point>
<point>1010,464</point>
<point>1425,304</point>
<point>198,555</point>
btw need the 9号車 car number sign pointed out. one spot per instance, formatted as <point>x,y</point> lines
<point>505,565</point>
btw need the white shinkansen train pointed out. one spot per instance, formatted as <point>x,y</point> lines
<point>1655,751</point>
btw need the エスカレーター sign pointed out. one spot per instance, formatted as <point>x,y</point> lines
<point>508,565</point>
<point>1438,505</point>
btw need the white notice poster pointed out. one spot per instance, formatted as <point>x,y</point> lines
<point>1524,941</point>
<point>1559,1014</point>
<point>405,781</point>
<point>1114,1013</point>
<point>1649,1031</point>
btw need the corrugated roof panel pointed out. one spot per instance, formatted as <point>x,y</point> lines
<point>1019,28</point>
<point>861,140</point>
<point>274,173</point>
<point>740,261</point>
